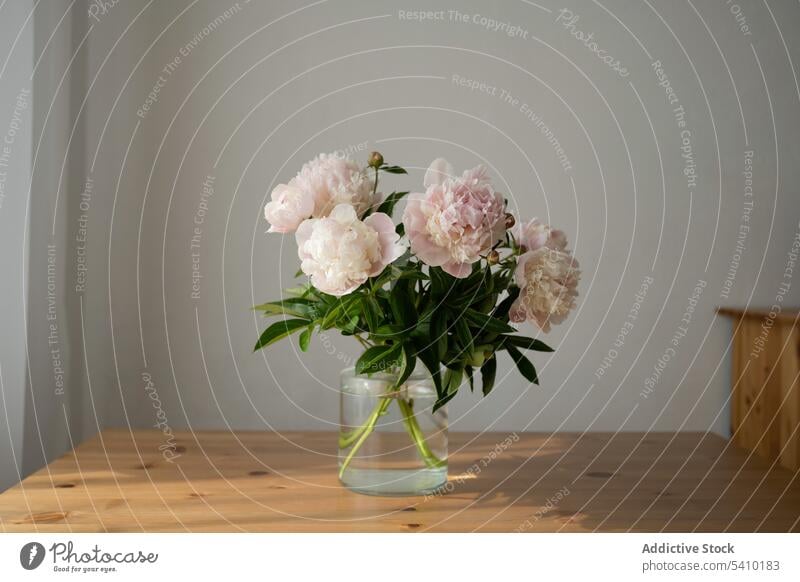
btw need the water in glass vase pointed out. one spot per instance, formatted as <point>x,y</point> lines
<point>390,440</point>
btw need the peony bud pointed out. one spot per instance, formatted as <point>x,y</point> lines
<point>375,160</point>
<point>523,249</point>
<point>481,355</point>
<point>493,257</point>
<point>510,221</point>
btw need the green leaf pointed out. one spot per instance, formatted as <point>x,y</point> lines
<point>452,379</point>
<point>305,338</point>
<point>352,305</point>
<point>438,333</point>
<point>393,273</point>
<point>330,317</point>
<point>279,330</point>
<point>505,305</point>
<point>488,374</point>
<point>527,343</point>
<point>468,370</point>
<point>443,400</point>
<point>523,364</point>
<point>441,283</point>
<point>413,274</point>
<point>296,306</point>
<point>372,313</point>
<point>341,309</point>
<point>378,358</point>
<point>393,169</point>
<point>487,323</point>
<point>464,336</point>
<point>351,326</point>
<point>489,279</point>
<point>485,302</point>
<point>400,229</point>
<point>388,274</point>
<point>402,304</point>
<point>428,357</point>
<point>387,206</point>
<point>324,297</point>
<point>388,331</point>
<point>407,364</point>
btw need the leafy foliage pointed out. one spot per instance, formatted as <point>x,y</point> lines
<point>387,206</point>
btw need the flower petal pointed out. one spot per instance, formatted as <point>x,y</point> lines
<point>391,247</point>
<point>439,171</point>
<point>343,213</point>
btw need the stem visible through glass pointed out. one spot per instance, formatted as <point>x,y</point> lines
<point>364,431</point>
<point>412,426</point>
<point>359,435</point>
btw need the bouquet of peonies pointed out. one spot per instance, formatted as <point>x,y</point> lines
<point>440,287</point>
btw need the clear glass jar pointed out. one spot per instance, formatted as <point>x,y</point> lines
<point>390,440</point>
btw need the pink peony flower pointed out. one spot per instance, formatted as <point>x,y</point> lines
<point>456,220</point>
<point>289,207</point>
<point>331,180</point>
<point>320,185</point>
<point>535,234</point>
<point>340,252</point>
<point>548,281</point>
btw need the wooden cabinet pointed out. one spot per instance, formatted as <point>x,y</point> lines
<point>765,405</point>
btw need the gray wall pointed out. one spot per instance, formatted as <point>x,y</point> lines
<point>57,405</point>
<point>264,96</point>
<point>249,91</point>
<point>46,402</point>
<point>14,178</point>
<point>49,401</point>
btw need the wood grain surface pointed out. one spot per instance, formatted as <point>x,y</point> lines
<point>261,481</point>
<point>765,404</point>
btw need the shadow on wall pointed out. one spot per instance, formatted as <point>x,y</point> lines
<point>60,411</point>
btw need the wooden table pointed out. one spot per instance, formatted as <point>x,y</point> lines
<point>259,481</point>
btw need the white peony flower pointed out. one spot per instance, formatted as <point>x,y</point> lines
<point>534,234</point>
<point>289,207</point>
<point>548,281</point>
<point>340,252</point>
<point>331,180</point>
<point>320,185</point>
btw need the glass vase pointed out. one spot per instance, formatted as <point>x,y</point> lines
<point>390,440</point>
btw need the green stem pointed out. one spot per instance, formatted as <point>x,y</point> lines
<point>413,428</point>
<point>347,439</point>
<point>363,432</point>
<point>359,435</point>
<point>362,341</point>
